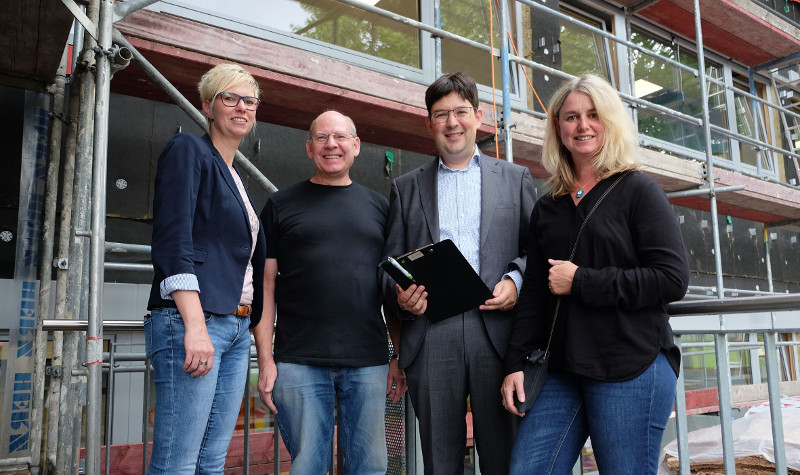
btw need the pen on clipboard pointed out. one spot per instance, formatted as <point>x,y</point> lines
<point>401,268</point>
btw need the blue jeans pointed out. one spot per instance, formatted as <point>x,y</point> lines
<point>305,395</point>
<point>625,420</point>
<point>195,417</point>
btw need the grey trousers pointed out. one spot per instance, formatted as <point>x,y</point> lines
<point>456,360</point>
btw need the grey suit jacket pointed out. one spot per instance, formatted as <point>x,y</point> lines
<point>507,198</point>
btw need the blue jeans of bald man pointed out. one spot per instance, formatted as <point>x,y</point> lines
<point>305,396</point>
<point>195,417</point>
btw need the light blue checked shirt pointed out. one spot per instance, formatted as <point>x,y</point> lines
<point>459,198</point>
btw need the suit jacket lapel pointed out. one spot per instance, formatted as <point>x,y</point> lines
<point>426,182</point>
<point>490,185</point>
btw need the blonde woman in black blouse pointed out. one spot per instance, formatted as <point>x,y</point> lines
<point>614,364</point>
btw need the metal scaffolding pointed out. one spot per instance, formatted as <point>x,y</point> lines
<point>80,280</point>
<point>80,270</point>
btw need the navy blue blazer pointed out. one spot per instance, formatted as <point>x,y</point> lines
<point>200,227</point>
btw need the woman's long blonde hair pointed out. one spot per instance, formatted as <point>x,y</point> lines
<point>615,155</point>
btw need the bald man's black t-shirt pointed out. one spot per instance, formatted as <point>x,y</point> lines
<point>328,241</point>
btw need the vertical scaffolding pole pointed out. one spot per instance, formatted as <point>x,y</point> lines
<point>774,391</point>
<point>110,405</point>
<point>77,281</point>
<point>437,41</point>
<point>45,269</point>
<point>767,260</point>
<point>62,273</point>
<point>146,413</point>
<point>506,68</point>
<point>94,335</point>
<point>721,338</point>
<point>681,422</point>
<point>631,73</point>
<point>246,438</point>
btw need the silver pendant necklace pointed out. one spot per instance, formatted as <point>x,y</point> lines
<point>581,191</point>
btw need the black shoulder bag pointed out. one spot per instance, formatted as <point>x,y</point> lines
<point>535,370</point>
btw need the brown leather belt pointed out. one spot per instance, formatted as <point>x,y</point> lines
<point>243,311</point>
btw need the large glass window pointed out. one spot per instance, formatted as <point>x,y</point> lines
<point>674,88</point>
<point>566,46</point>
<point>582,51</point>
<point>786,127</point>
<point>471,19</point>
<point>335,23</point>
<point>749,124</point>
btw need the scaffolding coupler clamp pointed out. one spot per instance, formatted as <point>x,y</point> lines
<point>98,51</point>
<point>53,370</point>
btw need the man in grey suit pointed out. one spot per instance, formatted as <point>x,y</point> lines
<point>483,204</point>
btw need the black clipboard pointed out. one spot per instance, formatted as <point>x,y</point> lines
<point>452,284</point>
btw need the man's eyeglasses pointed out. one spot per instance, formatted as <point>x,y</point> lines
<point>339,137</point>
<point>440,117</point>
<point>231,100</point>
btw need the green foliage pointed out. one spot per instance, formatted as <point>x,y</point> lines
<point>360,31</point>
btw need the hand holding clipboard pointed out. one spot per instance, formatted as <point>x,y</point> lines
<point>452,284</point>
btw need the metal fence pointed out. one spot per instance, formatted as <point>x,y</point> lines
<point>138,362</point>
<point>762,318</point>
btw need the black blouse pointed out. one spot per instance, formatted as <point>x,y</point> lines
<point>631,263</point>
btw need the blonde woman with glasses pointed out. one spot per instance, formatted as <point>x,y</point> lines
<point>208,253</point>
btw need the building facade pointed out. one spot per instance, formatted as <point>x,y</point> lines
<point>713,85</point>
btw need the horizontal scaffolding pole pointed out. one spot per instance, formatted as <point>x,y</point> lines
<point>53,325</point>
<point>769,303</point>
<point>121,247</point>
<point>704,191</point>
<point>188,108</point>
<point>124,266</point>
